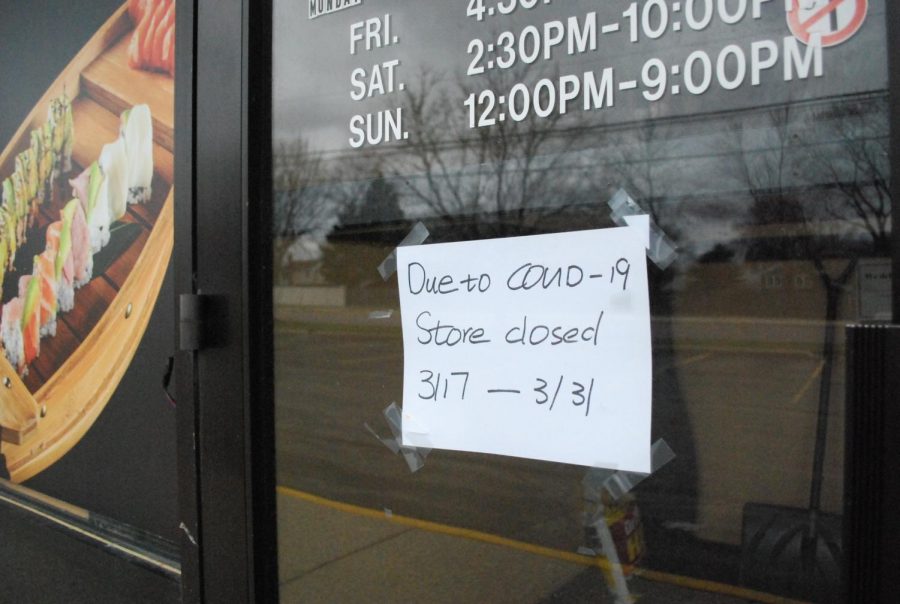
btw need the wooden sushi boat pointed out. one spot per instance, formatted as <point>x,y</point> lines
<point>45,411</point>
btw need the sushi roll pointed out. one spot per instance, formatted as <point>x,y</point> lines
<point>65,258</point>
<point>114,165</point>
<point>136,129</point>
<point>82,258</point>
<point>4,248</point>
<point>20,206</point>
<point>34,179</point>
<point>59,245</point>
<point>11,334</point>
<point>8,243</point>
<point>56,123</point>
<point>62,125</point>
<point>91,190</point>
<point>68,141</point>
<point>37,156</point>
<point>42,152</point>
<point>24,186</point>
<point>7,197</point>
<point>45,274</point>
<point>80,185</point>
<point>10,222</point>
<point>48,158</point>
<point>30,321</point>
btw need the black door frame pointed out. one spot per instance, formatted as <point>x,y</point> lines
<point>224,388</point>
<point>223,251</point>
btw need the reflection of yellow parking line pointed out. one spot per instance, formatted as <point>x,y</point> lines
<point>808,383</point>
<point>442,528</point>
<point>692,360</point>
<point>685,363</point>
<point>713,587</point>
<point>750,350</point>
<point>548,552</point>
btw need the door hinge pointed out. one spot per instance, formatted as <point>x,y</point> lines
<point>202,321</point>
<point>191,321</point>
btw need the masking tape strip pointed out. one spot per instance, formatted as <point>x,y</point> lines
<point>416,236</point>
<point>618,482</point>
<point>660,249</point>
<point>593,482</point>
<point>390,443</point>
<point>414,456</point>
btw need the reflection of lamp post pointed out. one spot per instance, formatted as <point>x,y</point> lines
<point>609,505</point>
<point>613,571</point>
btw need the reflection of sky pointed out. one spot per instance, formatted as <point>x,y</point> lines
<point>692,165</point>
<point>313,61</point>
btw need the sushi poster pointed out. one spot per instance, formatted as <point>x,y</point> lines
<point>86,236</point>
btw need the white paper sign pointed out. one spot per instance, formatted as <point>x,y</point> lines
<point>535,347</point>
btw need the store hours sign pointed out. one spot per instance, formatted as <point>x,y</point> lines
<point>727,68</point>
<point>609,62</point>
<point>535,347</point>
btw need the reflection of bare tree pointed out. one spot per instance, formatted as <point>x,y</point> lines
<point>511,169</point>
<point>761,154</point>
<point>857,165</point>
<point>638,157</point>
<point>816,178</point>
<point>350,179</point>
<point>370,224</point>
<point>301,204</point>
<point>773,159</point>
<point>799,166</point>
<point>765,163</point>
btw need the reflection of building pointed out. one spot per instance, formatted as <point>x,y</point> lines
<point>299,276</point>
<point>789,289</point>
<point>301,261</point>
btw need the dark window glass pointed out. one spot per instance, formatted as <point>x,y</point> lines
<point>756,139</point>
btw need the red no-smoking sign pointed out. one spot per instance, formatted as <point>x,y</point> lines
<point>835,21</point>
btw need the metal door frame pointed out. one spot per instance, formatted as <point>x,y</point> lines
<point>223,254</point>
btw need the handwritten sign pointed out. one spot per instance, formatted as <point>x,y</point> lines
<point>535,347</point>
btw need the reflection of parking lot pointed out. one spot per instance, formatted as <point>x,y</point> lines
<point>750,409</point>
<point>338,553</point>
<point>753,406</point>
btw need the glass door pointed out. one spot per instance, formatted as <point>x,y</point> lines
<point>559,292</point>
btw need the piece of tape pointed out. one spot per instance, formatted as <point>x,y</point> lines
<point>660,249</point>
<point>414,456</point>
<point>388,442</point>
<point>416,236</point>
<point>615,483</point>
<point>381,314</point>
